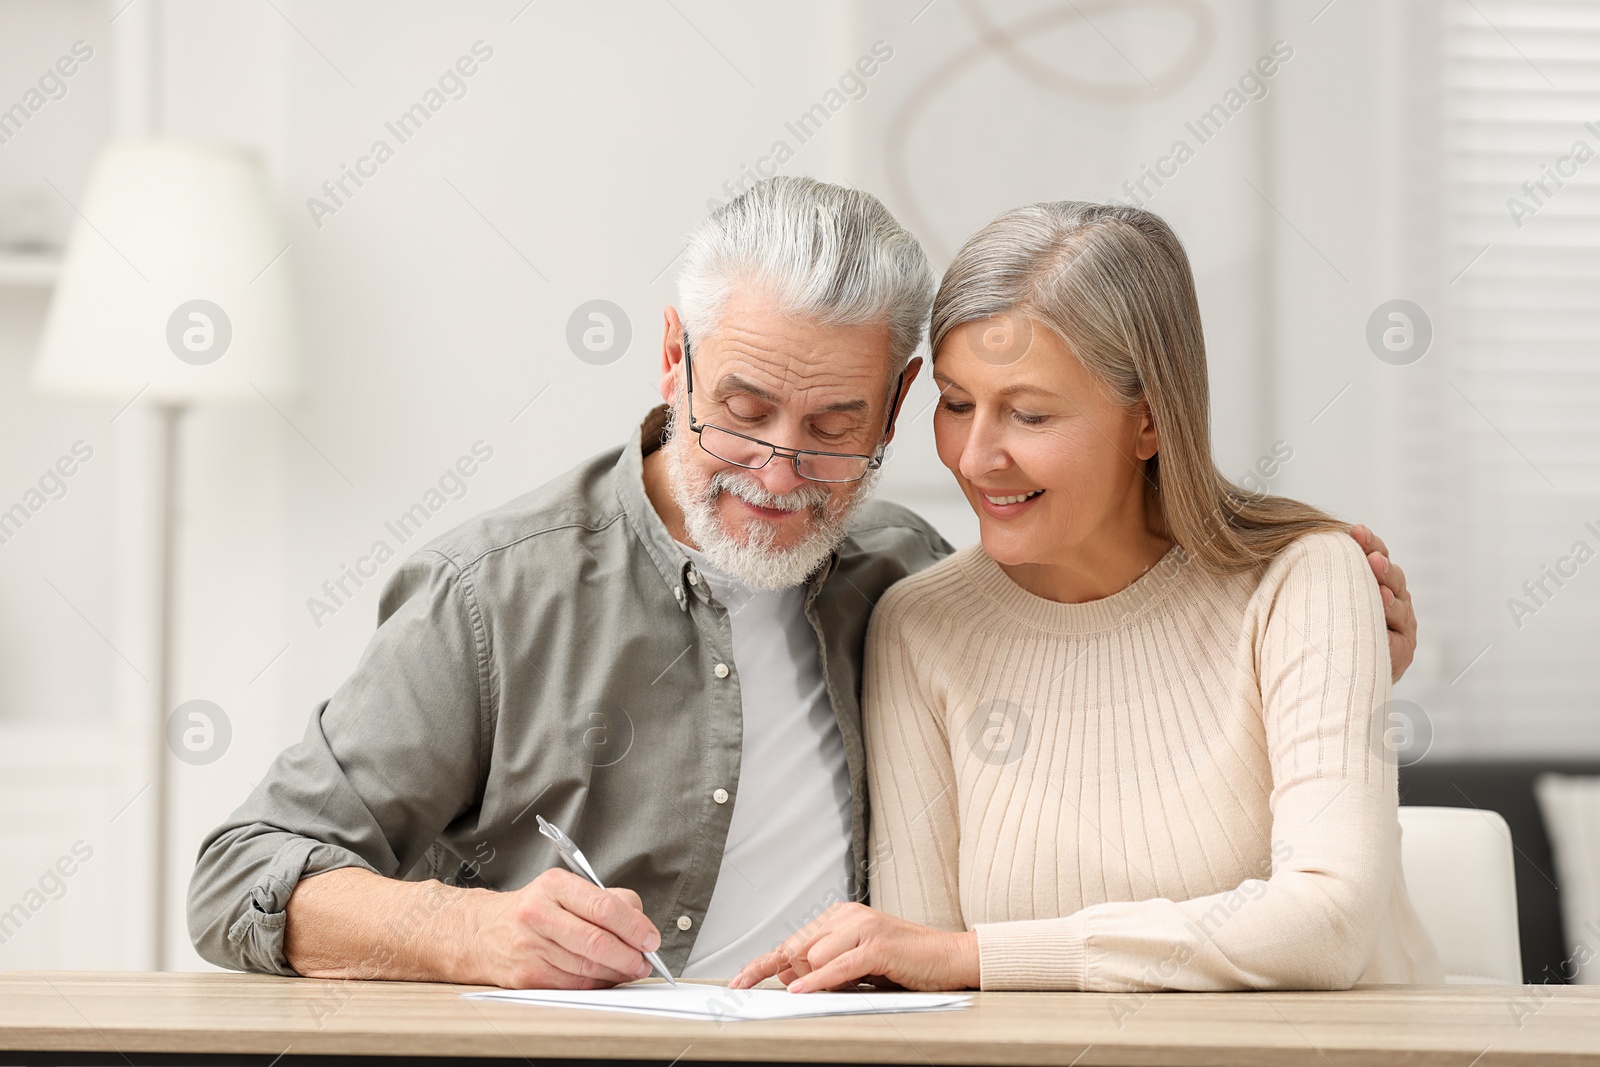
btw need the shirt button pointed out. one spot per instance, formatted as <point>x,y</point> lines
<point>720,670</point>
<point>684,922</point>
<point>694,579</point>
<point>720,796</point>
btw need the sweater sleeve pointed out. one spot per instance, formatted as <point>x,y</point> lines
<point>1322,670</point>
<point>915,833</point>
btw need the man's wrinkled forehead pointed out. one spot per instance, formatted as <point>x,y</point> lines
<point>775,371</point>
<point>778,358</point>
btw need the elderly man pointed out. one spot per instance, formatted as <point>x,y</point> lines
<point>659,651</point>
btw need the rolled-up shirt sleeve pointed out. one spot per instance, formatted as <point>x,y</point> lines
<point>394,757</point>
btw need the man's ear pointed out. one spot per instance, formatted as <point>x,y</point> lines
<point>1148,443</point>
<point>671,353</point>
<point>912,369</point>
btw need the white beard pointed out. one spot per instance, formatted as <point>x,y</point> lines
<point>755,562</point>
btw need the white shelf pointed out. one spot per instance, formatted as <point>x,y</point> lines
<point>29,270</point>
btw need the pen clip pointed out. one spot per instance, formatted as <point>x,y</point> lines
<point>570,854</point>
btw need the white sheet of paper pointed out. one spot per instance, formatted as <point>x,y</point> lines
<point>717,1003</point>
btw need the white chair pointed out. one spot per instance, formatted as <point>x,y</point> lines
<point>1460,875</point>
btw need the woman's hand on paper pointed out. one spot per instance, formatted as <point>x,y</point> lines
<point>853,943</point>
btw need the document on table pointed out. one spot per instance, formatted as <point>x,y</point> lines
<point>717,1003</point>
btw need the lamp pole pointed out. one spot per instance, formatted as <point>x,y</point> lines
<point>168,416</point>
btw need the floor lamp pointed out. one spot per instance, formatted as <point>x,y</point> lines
<point>175,290</point>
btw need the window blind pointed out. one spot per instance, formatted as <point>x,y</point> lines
<point>1510,441</point>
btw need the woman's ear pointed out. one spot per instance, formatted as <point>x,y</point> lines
<point>1148,442</point>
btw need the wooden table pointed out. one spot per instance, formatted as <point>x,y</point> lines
<point>63,1017</point>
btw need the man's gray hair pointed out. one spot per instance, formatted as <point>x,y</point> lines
<point>822,252</point>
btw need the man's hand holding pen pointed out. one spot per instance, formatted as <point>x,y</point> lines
<point>558,932</point>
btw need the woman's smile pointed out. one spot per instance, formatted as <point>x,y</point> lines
<point>1005,504</point>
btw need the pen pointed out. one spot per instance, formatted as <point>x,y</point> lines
<point>574,859</point>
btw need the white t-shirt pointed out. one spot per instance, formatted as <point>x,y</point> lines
<point>788,851</point>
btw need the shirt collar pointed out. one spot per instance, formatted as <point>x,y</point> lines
<point>647,525</point>
<point>665,552</point>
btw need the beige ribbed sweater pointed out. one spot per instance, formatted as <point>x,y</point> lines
<point>1174,787</point>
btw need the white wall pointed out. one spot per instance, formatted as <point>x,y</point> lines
<point>65,777</point>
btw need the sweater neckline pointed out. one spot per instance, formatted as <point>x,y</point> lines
<point>1143,596</point>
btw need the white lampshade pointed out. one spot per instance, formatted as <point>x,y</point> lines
<point>169,233</point>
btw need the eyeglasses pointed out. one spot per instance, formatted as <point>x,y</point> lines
<point>752,453</point>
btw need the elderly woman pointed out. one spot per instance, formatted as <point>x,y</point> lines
<point>1132,739</point>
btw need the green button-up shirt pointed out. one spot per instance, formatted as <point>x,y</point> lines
<point>549,657</point>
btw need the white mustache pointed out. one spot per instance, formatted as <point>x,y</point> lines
<point>747,488</point>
